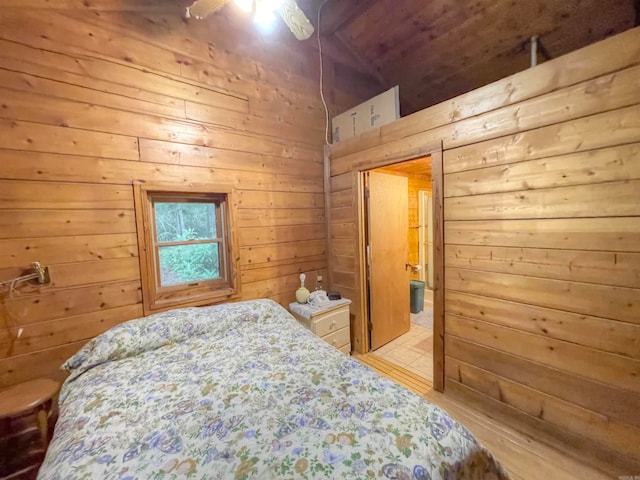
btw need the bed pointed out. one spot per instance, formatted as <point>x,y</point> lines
<point>241,391</point>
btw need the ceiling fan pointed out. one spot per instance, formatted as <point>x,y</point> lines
<point>263,13</point>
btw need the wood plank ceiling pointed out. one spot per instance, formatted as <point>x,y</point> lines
<point>434,50</point>
<point>419,166</point>
<point>439,49</point>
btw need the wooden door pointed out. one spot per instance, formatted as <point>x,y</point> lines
<point>388,250</point>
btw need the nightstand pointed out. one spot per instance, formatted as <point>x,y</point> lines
<point>331,323</point>
<point>28,413</point>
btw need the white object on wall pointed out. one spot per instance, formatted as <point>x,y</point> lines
<point>378,111</point>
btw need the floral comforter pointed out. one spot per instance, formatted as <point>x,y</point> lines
<point>242,391</point>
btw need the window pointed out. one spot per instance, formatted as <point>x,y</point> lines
<point>186,245</point>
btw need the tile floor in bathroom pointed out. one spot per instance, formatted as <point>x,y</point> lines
<point>412,351</point>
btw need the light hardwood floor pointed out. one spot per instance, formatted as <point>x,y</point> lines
<point>524,457</point>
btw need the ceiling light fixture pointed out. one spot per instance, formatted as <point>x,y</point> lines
<point>264,16</point>
<point>263,10</point>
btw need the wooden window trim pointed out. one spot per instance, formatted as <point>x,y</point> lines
<point>206,292</point>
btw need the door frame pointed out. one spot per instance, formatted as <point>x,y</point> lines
<point>360,328</point>
<point>425,226</point>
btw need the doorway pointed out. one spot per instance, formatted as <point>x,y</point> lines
<point>397,213</point>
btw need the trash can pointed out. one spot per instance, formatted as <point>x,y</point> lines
<point>416,291</point>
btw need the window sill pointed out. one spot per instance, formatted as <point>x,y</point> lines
<point>198,300</point>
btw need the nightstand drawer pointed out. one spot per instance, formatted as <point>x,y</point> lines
<point>338,339</point>
<point>331,322</point>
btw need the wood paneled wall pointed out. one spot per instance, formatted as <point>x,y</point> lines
<point>93,100</point>
<point>542,243</point>
<point>416,183</point>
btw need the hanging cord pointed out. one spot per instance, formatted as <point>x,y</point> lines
<point>40,274</point>
<point>11,284</point>
<point>326,109</point>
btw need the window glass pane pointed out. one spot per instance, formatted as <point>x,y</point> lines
<point>189,263</point>
<point>179,221</point>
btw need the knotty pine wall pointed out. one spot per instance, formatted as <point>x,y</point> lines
<point>416,183</point>
<point>542,244</point>
<point>91,100</point>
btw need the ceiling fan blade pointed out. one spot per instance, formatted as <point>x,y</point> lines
<point>203,8</point>
<point>296,20</point>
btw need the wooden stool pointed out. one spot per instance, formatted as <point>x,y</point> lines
<point>28,413</point>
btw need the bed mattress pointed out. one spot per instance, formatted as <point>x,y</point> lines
<point>241,390</point>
